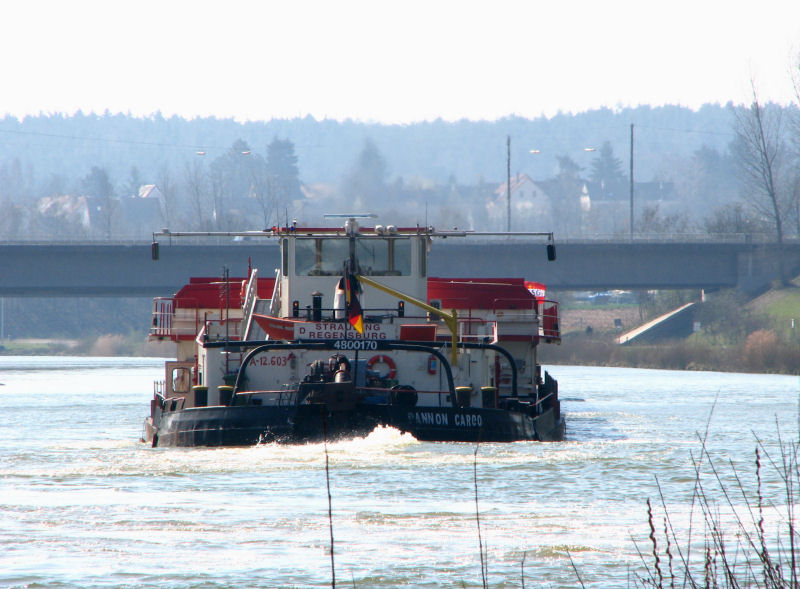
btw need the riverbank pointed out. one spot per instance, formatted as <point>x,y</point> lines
<point>734,335</point>
<point>761,352</point>
<point>109,345</point>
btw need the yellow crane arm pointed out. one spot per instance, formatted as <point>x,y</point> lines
<point>450,319</point>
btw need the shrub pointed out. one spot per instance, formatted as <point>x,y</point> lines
<point>110,345</point>
<point>761,350</point>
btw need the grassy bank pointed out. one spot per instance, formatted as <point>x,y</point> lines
<point>735,335</point>
<point>760,352</point>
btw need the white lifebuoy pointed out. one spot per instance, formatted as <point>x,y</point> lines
<point>383,359</point>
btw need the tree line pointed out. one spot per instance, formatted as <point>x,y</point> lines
<point>728,169</point>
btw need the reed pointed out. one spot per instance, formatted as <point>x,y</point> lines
<point>481,547</point>
<point>738,550</point>
<point>330,503</point>
<point>575,569</point>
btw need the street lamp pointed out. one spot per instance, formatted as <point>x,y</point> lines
<point>631,181</point>
<point>538,151</point>
<point>508,183</point>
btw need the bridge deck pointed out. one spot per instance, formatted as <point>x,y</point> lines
<point>128,270</point>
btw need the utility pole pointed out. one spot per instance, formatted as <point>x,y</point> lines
<point>508,182</point>
<point>631,181</point>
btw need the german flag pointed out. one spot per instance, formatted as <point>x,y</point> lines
<point>354,314</point>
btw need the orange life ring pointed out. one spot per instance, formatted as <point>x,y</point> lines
<point>383,359</point>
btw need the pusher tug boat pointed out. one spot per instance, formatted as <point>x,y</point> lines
<point>266,360</point>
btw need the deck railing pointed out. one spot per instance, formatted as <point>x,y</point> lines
<point>221,329</point>
<point>169,321</point>
<point>161,325</point>
<point>549,325</point>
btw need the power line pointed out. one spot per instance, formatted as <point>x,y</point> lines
<point>191,146</point>
<point>105,139</point>
<point>677,130</point>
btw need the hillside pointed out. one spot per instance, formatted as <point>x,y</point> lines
<point>736,335</point>
<point>48,146</point>
<point>782,307</point>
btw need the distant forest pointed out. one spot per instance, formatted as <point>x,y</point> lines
<point>114,176</point>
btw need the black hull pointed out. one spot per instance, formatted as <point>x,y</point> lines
<point>446,424</point>
<point>250,425</point>
<point>223,426</point>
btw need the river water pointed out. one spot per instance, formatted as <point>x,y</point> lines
<point>84,504</point>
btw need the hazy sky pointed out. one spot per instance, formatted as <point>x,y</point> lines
<point>390,61</point>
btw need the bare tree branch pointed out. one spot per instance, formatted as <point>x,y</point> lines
<point>761,151</point>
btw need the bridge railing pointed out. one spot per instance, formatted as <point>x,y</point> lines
<point>692,237</point>
<point>699,237</point>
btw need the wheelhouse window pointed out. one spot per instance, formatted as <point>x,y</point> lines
<point>377,256</point>
<point>320,256</point>
<point>384,257</point>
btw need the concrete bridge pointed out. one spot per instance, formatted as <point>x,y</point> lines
<point>127,270</point>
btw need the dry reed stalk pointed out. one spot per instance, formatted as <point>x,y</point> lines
<point>330,503</point>
<point>669,555</point>
<point>574,568</point>
<point>484,567</point>
<point>656,560</point>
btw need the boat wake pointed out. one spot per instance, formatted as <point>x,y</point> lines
<point>384,438</point>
